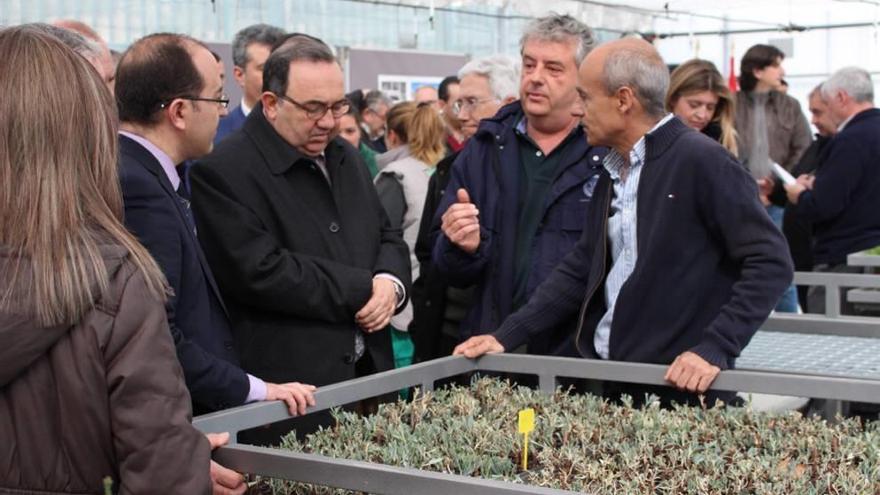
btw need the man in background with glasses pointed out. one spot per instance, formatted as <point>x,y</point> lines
<point>481,88</point>
<point>521,187</point>
<point>170,99</point>
<point>292,226</point>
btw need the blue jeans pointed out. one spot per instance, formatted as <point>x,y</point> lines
<point>788,303</point>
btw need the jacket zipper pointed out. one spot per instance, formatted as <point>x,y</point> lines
<point>592,290</point>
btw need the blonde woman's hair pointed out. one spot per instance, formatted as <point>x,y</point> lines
<point>419,126</point>
<point>60,198</point>
<point>695,76</point>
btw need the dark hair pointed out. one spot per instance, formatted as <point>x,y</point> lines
<point>756,58</point>
<point>263,34</point>
<point>443,90</point>
<point>154,70</point>
<point>356,98</point>
<point>355,113</point>
<point>297,47</point>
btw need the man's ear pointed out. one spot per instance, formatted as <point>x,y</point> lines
<point>175,112</point>
<point>626,99</point>
<point>270,105</point>
<point>238,74</point>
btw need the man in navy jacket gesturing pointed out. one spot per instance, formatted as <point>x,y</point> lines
<point>678,262</point>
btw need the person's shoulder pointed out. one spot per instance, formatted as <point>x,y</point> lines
<point>231,154</point>
<point>122,275</point>
<point>787,102</point>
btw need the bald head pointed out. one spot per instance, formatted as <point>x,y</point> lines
<point>103,62</point>
<point>622,85</point>
<point>633,63</point>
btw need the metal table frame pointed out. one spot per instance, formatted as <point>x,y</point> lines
<point>377,478</point>
<point>833,282</point>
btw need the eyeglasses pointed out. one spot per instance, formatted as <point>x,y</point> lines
<point>223,100</point>
<point>317,109</point>
<point>469,104</point>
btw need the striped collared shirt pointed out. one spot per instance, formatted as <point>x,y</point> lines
<point>625,173</point>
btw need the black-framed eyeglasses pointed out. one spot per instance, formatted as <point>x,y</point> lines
<point>223,101</point>
<point>317,109</point>
<point>468,103</point>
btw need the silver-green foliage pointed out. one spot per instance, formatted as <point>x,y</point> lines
<point>583,443</point>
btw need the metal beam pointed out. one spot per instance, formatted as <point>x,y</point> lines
<point>363,476</point>
<point>844,326</point>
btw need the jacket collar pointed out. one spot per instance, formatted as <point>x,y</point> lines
<point>502,123</point>
<point>661,139</point>
<point>864,114</point>
<point>280,155</point>
<point>147,160</point>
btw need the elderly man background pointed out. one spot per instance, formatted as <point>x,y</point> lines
<point>521,187</point>
<point>483,86</point>
<point>798,231</point>
<point>101,59</point>
<point>842,200</point>
<point>696,264</point>
<point>374,115</point>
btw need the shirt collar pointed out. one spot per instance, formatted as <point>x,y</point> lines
<point>160,156</point>
<point>845,122</point>
<point>246,110</point>
<point>614,160</point>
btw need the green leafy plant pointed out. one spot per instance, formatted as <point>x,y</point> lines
<point>583,443</point>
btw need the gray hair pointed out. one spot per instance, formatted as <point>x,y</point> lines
<point>854,81</point>
<point>375,99</point>
<point>501,71</point>
<point>561,29</point>
<point>817,91</point>
<point>89,49</point>
<point>641,70</point>
<point>258,33</point>
<point>276,72</point>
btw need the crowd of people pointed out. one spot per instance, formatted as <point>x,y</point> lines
<point>163,255</point>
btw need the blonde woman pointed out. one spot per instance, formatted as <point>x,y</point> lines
<point>415,138</point>
<point>90,386</point>
<point>699,97</point>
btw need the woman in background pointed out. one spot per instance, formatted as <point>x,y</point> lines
<point>350,130</point>
<point>90,386</point>
<point>415,137</point>
<point>698,96</point>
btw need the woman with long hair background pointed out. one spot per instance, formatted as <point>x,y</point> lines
<point>699,97</point>
<point>90,386</point>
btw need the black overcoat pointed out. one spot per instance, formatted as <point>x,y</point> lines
<point>294,255</point>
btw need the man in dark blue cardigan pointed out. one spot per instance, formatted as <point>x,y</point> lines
<point>842,200</point>
<point>678,262</point>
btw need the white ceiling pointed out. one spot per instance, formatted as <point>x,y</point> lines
<point>682,15</point>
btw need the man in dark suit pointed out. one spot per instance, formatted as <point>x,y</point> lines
<point>291,224</point>
<point>250,49</point>
<point>169,98</point>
